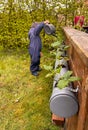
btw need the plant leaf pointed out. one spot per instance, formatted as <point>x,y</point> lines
<point>56,44</point>
<point>58,69</point>
<point>67,74</point>
<point>66,47</point>
<point>62,83</point>
<point>53,53</point>
<point>73,78</point>
<point>49,75</point>
<point>59,53</point>
<point>49,68</point>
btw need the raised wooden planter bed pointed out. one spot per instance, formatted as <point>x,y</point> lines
<point>78,55</point>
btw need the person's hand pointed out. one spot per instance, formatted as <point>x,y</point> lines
<point>41,54</point>
<point>46,22</point>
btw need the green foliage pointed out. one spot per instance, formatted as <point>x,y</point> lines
<point>66,79</point>
<point>49,68</point>
<point>56,44</point>
<point>52,71</point>
<point>17,17</point>
<point>60,49</point>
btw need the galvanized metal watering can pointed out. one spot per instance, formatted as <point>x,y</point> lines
<point>50,29</point>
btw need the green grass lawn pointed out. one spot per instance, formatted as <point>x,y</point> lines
<point>24,99</point>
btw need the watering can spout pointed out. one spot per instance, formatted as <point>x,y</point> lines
<point>54,34</point>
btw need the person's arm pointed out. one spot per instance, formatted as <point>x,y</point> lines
<point>39,27</point>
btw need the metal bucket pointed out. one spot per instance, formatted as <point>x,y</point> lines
<point>49,29</point>
<point>63,102</point>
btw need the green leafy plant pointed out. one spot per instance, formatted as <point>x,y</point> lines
<point>56,44</point>
<point>52,71</point>
<point>66,79</point>
<point>61,48</point>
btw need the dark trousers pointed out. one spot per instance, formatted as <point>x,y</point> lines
<point>35,61</point>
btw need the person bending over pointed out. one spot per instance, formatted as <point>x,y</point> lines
<point>35,46</point>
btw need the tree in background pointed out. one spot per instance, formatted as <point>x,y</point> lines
<point>16,17</point>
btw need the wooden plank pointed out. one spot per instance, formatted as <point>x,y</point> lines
<point>78,63</point>
<point>79,40</point>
